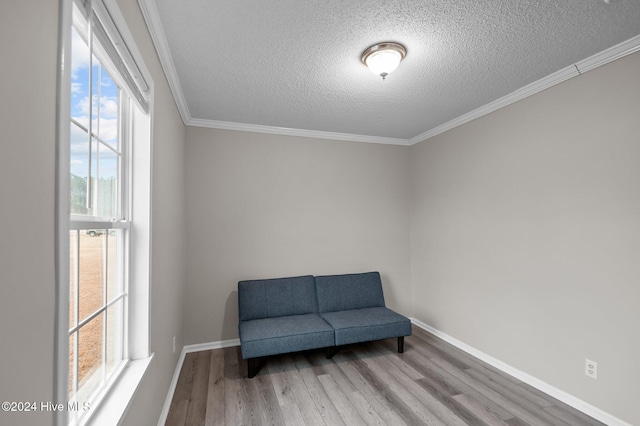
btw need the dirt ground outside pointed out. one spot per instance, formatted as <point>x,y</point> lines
<point>91,278</point>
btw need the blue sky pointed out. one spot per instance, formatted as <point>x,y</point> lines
<point>104,113</point>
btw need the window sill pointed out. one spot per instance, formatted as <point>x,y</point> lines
<point>115,404</point>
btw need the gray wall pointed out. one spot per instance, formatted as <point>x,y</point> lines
<point>168,233</point>
<point>27,173</point>
<point>261,206</point>
<point>524,225</point>
<point>525,236</point>
<point>28,34</point>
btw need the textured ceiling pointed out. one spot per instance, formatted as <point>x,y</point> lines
<point>296,63</point>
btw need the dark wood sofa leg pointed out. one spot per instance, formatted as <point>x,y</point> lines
<point>401,344</point>
<point>252,367</point>
<point>330,352</point>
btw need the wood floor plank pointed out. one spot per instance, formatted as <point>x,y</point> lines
<point>185,379</point>
<point>446,390</point>
<point>519,399</point>
<point>260,394</point>
<point>498,383</point>
<point>453,353</point>
<point>395,357</point>
<point>318,361</point>
<point>348,413</point>
<point>292,415</point>
<point>338,376</point>
<point>479,412</point>
<point>501,399</point>
<point>572,416</point>
<point>424,405</point>
<point>431,383</point>
<point>215,391</point>
<point>238,409</point>
<point>367,412</point>
<point>177,413</point>
<point>399,399</point>
<point>516,422</point>
<point>267,399</point>
<point>323,403</point>
<point>196,412</point>
<point>253,413</point>
<point>302,397</point>
<point>557,405</point>
<point>430,351</point>
<point>391,418</point>
<point>460,410</point>
<point>180,402</point>
<point>377,395</point>
<point>445,382</point>
<point>280,381</point>
<point>363,381</point>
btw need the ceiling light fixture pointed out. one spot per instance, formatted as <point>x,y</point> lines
<point>383,58</point>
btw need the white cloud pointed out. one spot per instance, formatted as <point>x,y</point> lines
<point>108,106</point>
<point>80,56</point>
<point>76,88</point>
<point>107,129</point>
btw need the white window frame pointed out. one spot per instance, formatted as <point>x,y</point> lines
<point>113,402</point>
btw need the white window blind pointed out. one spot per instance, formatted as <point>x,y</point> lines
<point>113,45</point>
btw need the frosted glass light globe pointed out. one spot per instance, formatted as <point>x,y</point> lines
<point>383,58</point>
<point>384,62</point>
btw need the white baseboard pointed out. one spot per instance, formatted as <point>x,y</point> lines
<point>172,388</point>
<point>556,393</point>
<point>176,373</point>
<point>211,345</point>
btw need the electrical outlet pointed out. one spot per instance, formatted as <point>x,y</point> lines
<point>174,344</point>
<point>591,368</point>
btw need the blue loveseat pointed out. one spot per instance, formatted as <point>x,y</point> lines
<point>293,314</point>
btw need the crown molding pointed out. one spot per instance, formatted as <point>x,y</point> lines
<point>285,131</point>
<point>152,19</point>
<point>616,52</point>
<point>609,55</point>
<point>524,92</point>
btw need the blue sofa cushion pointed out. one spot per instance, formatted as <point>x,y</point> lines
<point>276,297</point>
<point>270,336</point>
<point>349,291</point>
<point>363,325</point>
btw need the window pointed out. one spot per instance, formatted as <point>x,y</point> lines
<point>98,241</point>
<point>103,236</point>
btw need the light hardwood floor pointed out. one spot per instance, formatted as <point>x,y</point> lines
<point>431,383</point>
